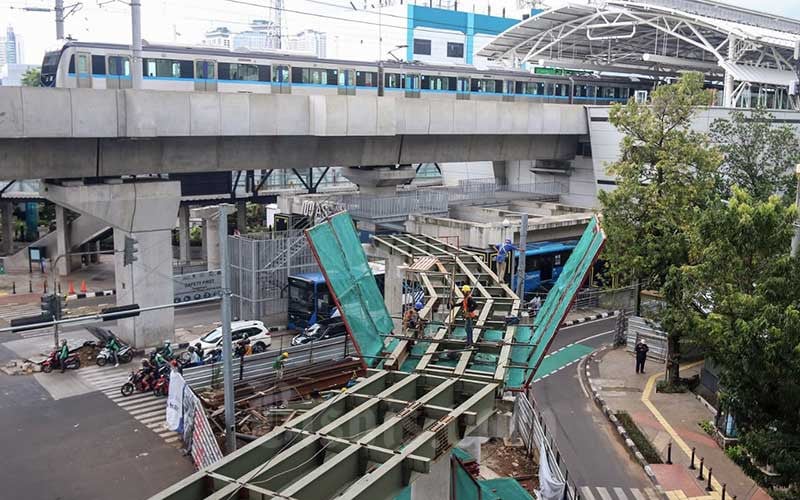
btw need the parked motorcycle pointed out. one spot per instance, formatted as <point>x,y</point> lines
<point>73,362</point>
<point>125,355</point>
<point>161,385</point>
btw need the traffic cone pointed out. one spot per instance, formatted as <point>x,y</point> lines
<point>71,288</point>
<point>83,286</point>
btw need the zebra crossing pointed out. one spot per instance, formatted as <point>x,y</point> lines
<point>603,493</point>
<point>148,409</point>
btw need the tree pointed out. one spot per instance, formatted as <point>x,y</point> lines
<point>760,156</point>
<point>745,275</point>
<point>666,174</point>
<point>32,78</point>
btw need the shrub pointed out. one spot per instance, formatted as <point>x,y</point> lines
<point>639,439</point>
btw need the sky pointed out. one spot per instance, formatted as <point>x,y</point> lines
<point>350,34</point>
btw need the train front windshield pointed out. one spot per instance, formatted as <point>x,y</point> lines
<point>50,67</point>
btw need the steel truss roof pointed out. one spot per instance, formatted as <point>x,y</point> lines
<point>364,443</point>
<point>439,266</point>
<point>654,36</point>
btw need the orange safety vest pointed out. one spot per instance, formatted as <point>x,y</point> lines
<point>465,307</point>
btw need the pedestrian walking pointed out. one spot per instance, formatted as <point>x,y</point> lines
<point>641,350</point>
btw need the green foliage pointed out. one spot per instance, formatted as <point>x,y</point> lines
<point>668,387</point>
<point>744,272</point>
<point>759,155</point>
<point>708,427</point>
<point>32,78</point>
<point>666,176</point>
<point>639,439</point>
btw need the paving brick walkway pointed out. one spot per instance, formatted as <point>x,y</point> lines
<point>672,418</point>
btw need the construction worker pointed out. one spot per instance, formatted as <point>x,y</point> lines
<point>504,253</point>
<point>412,321</point>
<point>279,364</point>
<point>469,309</point>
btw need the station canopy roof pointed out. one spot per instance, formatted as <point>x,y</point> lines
<point>654,37</point>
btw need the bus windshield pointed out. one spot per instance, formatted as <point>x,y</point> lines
<point>301,295</point>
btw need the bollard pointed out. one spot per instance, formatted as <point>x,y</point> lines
<point>700,476</point>
<point>691,465</point>
<point>59,288</point>
<point>708,486</point>
<point>724,487</point>
<point>669,453</point>
<point>13,288</point>
<point>30,286</point>
<point>44,287</point>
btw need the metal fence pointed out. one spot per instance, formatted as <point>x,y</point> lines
<point>259,366</point>
<point>529,425</point>
<point>388,208</point>
<point>260,268</point>
<point>476,190</point>
<point>639,328</point>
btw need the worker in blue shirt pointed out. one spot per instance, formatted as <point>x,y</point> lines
<point>503,256</point>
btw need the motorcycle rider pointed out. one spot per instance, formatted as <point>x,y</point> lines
<point>63,354</point>
<point>166,351</point>
<point>198,348</point>
<point>148,372</point>
<point>243,347</point>
<point>114,347</point>
<point>194,357</point>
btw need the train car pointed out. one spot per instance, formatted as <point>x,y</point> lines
<point>184,68</point>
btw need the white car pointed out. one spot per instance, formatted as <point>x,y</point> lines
<point>258,334</point>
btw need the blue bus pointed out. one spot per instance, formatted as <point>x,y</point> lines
<point>310,300</point>
<point>544,261</point>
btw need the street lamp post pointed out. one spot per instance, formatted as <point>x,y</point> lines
<point>506,225</point>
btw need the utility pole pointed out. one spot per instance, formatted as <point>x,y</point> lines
<point>59,20</point>
<point>227,354</point>
<point>136,45</point>
<point>523,243</point>
<point>796,237</point>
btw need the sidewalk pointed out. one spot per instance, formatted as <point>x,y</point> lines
<point>666,418</point>
<point>98,277</point>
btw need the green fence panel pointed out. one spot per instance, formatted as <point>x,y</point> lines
<point>351,282</point>
<point>555,307</point>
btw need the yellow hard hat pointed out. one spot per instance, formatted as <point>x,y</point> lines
<point>466,289</point>
<point>285,354</point>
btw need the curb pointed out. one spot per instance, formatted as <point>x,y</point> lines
<point>623,434</point>
<point>76,296</point>
<point>578,321</point>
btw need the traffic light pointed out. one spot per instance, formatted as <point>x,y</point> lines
<point>51,305</point>
<point>128,253</point>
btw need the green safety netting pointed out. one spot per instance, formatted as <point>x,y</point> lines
<point>342,260</point>
<point>555,307</point>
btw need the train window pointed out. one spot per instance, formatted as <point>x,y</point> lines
<point>165,68</point>
<point>438,83</point>
<point>422,46</point>
<point>234,71</point>
<point>455,49</point>
<point>71,64</point>
<point>83,64</point>
<point>187,69</point>
<point>281,74</point>
<point>462,85</point>
<point>366,79</point>
<point>98,65</point>
<point>393,81</point>
<point>530,88</point>
<point>316,76</point>
<point>560,89</point>
<point>264,73</point>
<point>491,86</point>
<point>119,66</point>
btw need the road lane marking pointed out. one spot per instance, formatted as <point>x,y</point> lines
<point>603,493</point>
<point>620,494</point>
<point>586,493</point>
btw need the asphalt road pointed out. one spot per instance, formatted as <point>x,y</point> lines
<point>593,453</point>
<point>78,448</point>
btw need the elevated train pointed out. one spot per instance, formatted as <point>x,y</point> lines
<point>168,67</point>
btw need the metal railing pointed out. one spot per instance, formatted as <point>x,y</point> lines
<point>259,366</point>
<point>639,329</point>
<point>395,207</point>
<point>487,189</point>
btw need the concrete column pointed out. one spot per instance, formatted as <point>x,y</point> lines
<point>500,170</point>
<point>241,216</point>
<point>183,233</point>
<point>210,234</point>
<point>63,245</point>
<point>7,222</point>
<point>380,180</point>
<point>204,240</point>
<point>393,288</point>
<point>727,95</point>
<point>145,212</point>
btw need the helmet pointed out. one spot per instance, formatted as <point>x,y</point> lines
<point>285,355</point>
<point>166,342</point>
<point>419,305</point>
<point>63,341</point>
<point>508,240</point>
<point>466,289</point>
<point>197,345</point>
<point>190,348</point>
<point>245,336</point>
<point>145,363</point>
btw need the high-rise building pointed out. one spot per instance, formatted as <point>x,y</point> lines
<point>218,37</point>
<point>262,34</point>
<point>309,41</point>
<point>10,47</point>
